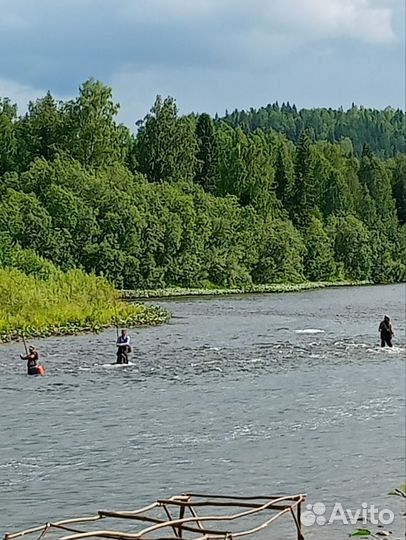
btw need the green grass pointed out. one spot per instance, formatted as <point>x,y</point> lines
<point>65,303</point>
<point>74,302</point>
<point>269,288</point>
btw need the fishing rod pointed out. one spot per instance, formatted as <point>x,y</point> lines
<point>116,318</point>
<point>117,332</point>
<point>25,344</point>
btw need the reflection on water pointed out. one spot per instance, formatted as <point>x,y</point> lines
<point>257,394</point>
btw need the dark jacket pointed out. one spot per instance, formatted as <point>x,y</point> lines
<point>386,330</point>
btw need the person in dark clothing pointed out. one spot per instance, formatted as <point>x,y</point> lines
<point>386,331</point>
<point>123,347</point>
<point>32,359</point>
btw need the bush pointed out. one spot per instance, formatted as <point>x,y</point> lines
<point>64,304</point>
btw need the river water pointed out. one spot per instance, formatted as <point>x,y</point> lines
<point>258,394</point>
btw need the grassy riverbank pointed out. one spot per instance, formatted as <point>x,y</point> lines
<point>270,288</point>
<point>65,304</point>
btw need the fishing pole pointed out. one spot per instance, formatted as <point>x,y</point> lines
<point>117,333</point>
<point>116,318</point>
<point>25,344</point>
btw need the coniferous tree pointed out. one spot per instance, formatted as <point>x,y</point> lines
<point>8,140</point>
<point>336,196</point>
<point>398,180</point>
<point>375,178</point>
<point>41,131</point>
<point>284,176</point>
<point>208,154</point>
<point>304,181</point>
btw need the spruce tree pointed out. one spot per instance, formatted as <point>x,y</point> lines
<point>304,181</point>
<point>208,154</point>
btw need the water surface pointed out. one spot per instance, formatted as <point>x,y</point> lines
<point>263,394</point>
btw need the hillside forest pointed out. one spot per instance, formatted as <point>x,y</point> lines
<point>274,195</point>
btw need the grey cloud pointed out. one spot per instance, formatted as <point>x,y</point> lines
<point>158,43</point>
<point>318,78</point>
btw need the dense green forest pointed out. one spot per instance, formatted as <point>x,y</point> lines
<point>383,131</point>
<point>197,202</point>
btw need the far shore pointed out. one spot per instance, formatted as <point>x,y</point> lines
<point>173,292</point>
<point>143,316</point>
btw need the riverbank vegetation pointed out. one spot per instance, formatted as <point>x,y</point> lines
<point>64,303</point>
<point>200,203</point>
<point>252,289</point>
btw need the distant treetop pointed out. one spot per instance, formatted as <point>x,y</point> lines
<point>382,130</point>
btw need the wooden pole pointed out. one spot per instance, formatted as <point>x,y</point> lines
<point>200,524</point>
<point>299,524</point>
<point>175,530</point>
<point>181,516</point>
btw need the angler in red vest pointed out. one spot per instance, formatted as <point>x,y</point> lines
<point>33,368</point>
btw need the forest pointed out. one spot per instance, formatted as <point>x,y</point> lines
<point>383,131</point>
<point>269,196</point>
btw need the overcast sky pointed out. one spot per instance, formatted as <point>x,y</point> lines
<point>208,54</point>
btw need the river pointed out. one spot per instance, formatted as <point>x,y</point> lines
<point>257,394</point>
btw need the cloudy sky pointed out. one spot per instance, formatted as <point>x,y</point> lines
<point>208,54</point>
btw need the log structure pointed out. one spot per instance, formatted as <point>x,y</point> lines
<point>191,516</point>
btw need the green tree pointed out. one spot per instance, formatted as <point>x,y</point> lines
<point>280,254</point>
<point>319,264</point>
<point>208,154</point>
<point>40,131</point>
<point>167,146</point>
<point>8,140</point>
<point>304,198</point>
<point>24,219</point>
<point>91,134</point>
<point>352,246</point>
<point>397,170</point>
<point>284,176</point>
<point>388,256</point>
<point>336,194</point>
<point>246,170</point>
<point>374,177</point>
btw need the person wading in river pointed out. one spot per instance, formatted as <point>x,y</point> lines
<point>32,359</point>
<point>123,347</point>
<point>386,331</point>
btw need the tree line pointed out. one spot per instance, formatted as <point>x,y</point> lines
<point>383,130</point>
<point>191,201</point>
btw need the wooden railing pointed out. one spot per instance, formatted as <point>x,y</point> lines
<point>187,524</point>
